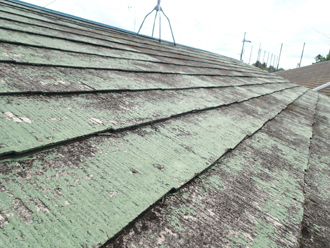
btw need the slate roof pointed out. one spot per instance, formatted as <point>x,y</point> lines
<point>310,76</point>
<point>99,126</point>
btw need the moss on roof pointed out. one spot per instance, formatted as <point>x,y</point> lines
<point>98,124</point>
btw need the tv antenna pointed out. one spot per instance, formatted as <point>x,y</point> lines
<point>157,9</point>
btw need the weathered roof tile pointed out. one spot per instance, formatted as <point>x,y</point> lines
<point>310,76</point>
<point>253,197</point>
<point>98,124</point>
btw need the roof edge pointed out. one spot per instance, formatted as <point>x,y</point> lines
<point>322,87</point>
<point>107,26</point>
<point>68,15</point>
<point>302,67</point>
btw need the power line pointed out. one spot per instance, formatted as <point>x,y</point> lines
<point>50,3</point>
<point>287,5</point>
<point>292,31</point>
<point>309,25</point>
<point>320,32</point>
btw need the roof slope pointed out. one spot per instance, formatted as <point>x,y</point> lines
<point>272,190</point>
<point>310,76</point>
<point>98,124</point>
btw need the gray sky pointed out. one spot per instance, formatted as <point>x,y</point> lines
<point>219,26</point>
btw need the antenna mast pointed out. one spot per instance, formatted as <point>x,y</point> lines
<point>302,54</point>
<point>244,40</point>
<point>157,9</point>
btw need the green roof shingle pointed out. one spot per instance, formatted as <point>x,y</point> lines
<point>98,124</point>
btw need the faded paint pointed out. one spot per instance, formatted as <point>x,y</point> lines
<point>253,197</point>
<point>192,107</point>
<point>103,112</point>
<point>316,224</point>
<point>60,177</point>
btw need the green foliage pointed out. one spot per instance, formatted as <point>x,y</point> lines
<point>319,58</point>
<point>263,66</point>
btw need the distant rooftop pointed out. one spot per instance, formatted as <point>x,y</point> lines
<point>310,76</point>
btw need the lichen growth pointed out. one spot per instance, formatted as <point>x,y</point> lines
<point>322,228</point>
<point>213,182</point>
<point>177,212</point>
<point>240,239</point>
<point>265,234</point>
<point>185,195</point>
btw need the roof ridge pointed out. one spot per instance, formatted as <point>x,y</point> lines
<point>117,48</point>
<point>114,28</point>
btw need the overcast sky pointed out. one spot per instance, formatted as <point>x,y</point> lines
<point>219,26</point>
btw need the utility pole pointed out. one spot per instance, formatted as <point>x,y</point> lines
<point>263,60</point>
<point>250,55</point>
<point>259,52</point>
<point>302,54</point>
<point>244,40</point>
<point>279,57</point>
<point>274,63</point>
<point>275,60</point>
<point>267,58</point>
<point>259,58</point>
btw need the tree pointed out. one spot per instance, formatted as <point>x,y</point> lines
<point>319,58</point>
<point>264,67</point>
<point>271,69</point>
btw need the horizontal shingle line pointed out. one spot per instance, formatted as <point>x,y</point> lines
<point>7,155</point>
<point>149,40</point>
<point>119,58</point>
<point>107,28</point>
<point>114,48</point>
<point>94,91</point>
<point>128,34</point>
<point>194,183</point>
<point>189,55</point>
<point>75,20</point>
<point>158,48</point>
<point>134,71</point>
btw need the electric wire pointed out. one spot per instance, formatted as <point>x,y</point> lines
<point>309,25</point>
<point>49,3</point>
